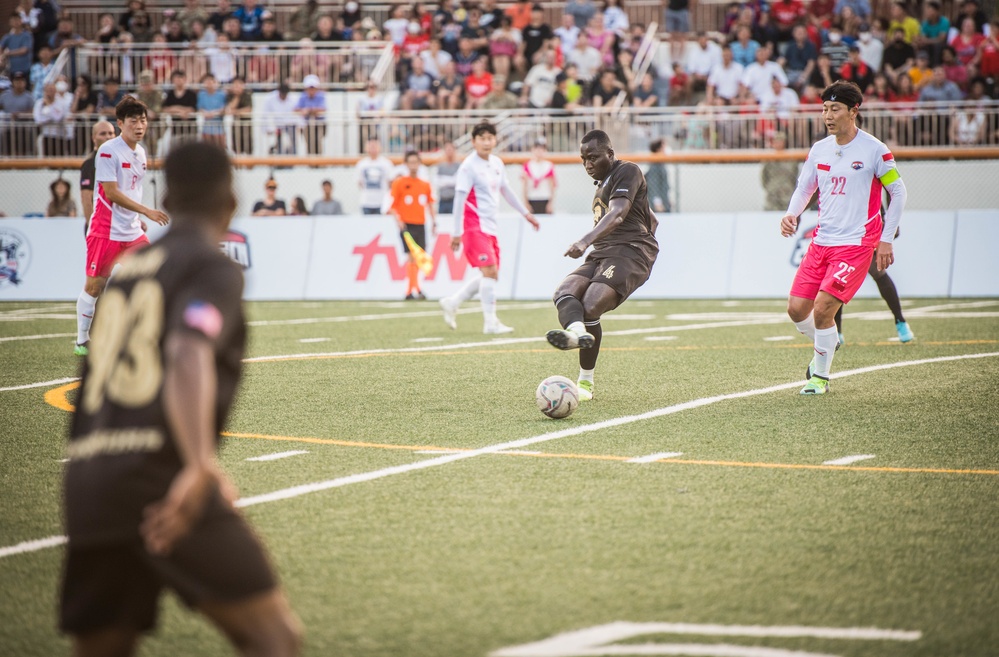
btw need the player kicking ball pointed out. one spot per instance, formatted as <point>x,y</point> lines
<point>624,249</point>
<point>480,181</point>
<point>849,168</point>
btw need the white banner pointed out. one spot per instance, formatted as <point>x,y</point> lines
<point>939,254</point>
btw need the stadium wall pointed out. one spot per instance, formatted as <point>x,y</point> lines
<point>704,255</point>
<point>932,185</point>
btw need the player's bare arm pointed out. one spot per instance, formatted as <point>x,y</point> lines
<point>189,394</point>
<point>117,197</point>
<point>616,212</point>
<point>532,220</point>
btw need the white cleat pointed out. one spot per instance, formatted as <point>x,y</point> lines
<point>497,329</point>
<point>450,309</point>
<point>565,339</point>
<point>585,390</point>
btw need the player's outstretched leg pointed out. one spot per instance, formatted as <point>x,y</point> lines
<point>573,334</point>
<point>839,328</point>
<point>450,305</point>
<point>588,360</point>
<point>491,325</point>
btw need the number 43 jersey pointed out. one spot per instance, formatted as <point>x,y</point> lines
<point>122,453</point>
<point>849,180</point>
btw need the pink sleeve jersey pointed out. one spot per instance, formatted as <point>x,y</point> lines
<point>536,174</point>
<point>483,180</point>
<point>116,162</point>
<point>849,180</point>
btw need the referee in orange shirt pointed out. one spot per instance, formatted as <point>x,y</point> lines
<point>411,199</point>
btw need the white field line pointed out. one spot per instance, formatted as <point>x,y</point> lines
<point>308,340</point>
<point>847,460</point>
<point>305,489</point>
<point>18,338</point>
<point>437,451</point>
<point>32,546</point>
<point>278,455</point>
<point>377,316</point>
<point>593,641</point>
<point>658,456</point>
<point>41,384</point>
<point>778,338</point>
<point>660,338</point>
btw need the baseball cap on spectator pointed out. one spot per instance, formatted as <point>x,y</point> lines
<point>283,88</point>
<point>560,78</point>
<point>866,27</point>
<point>18,75</point>
<point>368,23</point>
<point>350,7</point>
<point>922,54</point>
<point>146,76</point>
<point>311,81</point>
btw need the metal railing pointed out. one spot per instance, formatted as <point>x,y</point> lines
<point>701,129</point>
<point>342,66</point>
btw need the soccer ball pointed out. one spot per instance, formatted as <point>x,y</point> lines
<point>557,397</point>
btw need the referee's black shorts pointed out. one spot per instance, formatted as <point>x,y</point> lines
<point>119,584</point>
<point>419,233</point>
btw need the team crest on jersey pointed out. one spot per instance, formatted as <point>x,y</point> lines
<point>598,210</point>
<point>15,256</point>
<point>237,246</point>
<point>801,245</point>
<point>857,165</point>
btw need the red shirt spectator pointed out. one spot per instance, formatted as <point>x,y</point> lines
<point>786,13</point>
<point>988,65</point>
<point>478,85</point>
<point>966,43</point>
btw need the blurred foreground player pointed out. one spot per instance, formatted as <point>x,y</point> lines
<point>624,251</point>
<point>147,506</point>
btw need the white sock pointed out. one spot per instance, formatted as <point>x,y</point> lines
<point>576,327</point>
<point>825,347</point>
<point>467,290</point>
<point>85,305</point>
<point>487,297</point>
<point>585,375</point>
<point>806,327</point>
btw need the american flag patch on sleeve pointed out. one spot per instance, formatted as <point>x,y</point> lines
<point>204,317</point>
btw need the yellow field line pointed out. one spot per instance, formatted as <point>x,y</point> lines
<point>56,397</point>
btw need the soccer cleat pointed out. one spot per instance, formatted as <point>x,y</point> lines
<point>496,328</point>
<point>585,389</point>
<point>81,349</point>
<point>420,296</point>
<point>450,309</point>
<point>840,341</point>
<point>565,339</point>
<point>410,297</point>
<point>905,333</point>
<point>810,369</point>
<point>816,386</point>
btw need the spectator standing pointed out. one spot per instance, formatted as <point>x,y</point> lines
<point>799,57</point>
<point>538,180</point>
<point>52,118</point>
<point>17,46</point>
<point>279,109</point>
<point>270,205</point>
<point>149,94</point>
<point>677,23</point>
<point>778,177</point>
<point>933,31</point>
<point>701,58</point>
<point>181,105</point>
<point>327,205</point>
<point>102,132</point>
<point>871,49</point>
<point>18,103</point>
<point>657,180</point>
<point>724,79</point>
<point>444,178</point>
<point>62,204</point>
<point>40,70</point>
<point>109,97</point>
<point>211,107</point>
<point>374,173</point>
<point>239,105</point>
<point>311,106</point>
<point>581,11</point>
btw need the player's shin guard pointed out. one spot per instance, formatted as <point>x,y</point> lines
<point>570,310</point>
<point>588,357</point>
<point>487,297</point>
<point>85,305</point>
<point>825,348</point>
<point>807,327</point>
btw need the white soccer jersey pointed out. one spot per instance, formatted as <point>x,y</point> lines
<point>118,163</point>
<point>483,180</point>
<point>849,180</point>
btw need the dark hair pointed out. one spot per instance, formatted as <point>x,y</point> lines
<point>656,145</point>
<point>177,72</point>
<point>409,154</point>
<point>57,182</point>
<point>111,80</point>
<point>198,180</point>
<point>130,106</point>
<point>599,136</point>
<point>483,128</point>
<point>843,91</point>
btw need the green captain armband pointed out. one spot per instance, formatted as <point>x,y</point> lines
<point>889,177</point>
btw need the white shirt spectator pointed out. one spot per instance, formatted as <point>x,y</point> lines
<point>568,37</point>
<point>374,176</point>
<point>433,63</point>
<point>871,52</point>
<point>781,103</point>
<point>280,112</point>
<point>540,81</point>
<point>587,60</point>
<point>726,80</point>
<point>616,20</point>
<point>757,77</point>
<point>396,29</point>
<point>52,118</point>
<point>701,61</point>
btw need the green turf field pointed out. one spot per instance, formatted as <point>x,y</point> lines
<point>451,519</point>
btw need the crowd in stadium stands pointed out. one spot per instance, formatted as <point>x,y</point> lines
<point>763,57</point>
